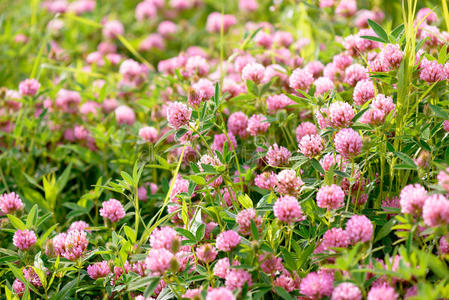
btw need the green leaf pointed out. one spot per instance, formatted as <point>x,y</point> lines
<point>385,230</point>
<point>130,233</point>
<point>245,201</point>
<point>283,293</point>
<point>32,216</point>
<point>378,30</point>
<point>407,160</point>
<point>397,31</point>
<point>198,179</point>
<point>372,38</point>
<point>129,180</point>
<point>64,178</point>
<point>16,222</point>
<point>200,232</point>
<point>439,112</point>
<point>184,212</point>
<point>151,287</point>
<point>254,230</point>
<point>142,282</point>
<point>317,166</point>
<point>442,55</point>
<point>185,233</point>
<point>446,155</point>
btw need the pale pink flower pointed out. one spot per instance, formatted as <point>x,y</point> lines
<point>288,210</point>
<point>227,240</point>
<point>359,229</point>
<point>24,239</point>
<point>10,203</point>
<point>112,210</point>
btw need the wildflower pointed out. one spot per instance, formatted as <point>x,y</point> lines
<point>355,73</point>
<point>431,71</point>
<point>301,79</point>
<point>412,199</point>
<point>278,156</point>
<point>277,102</point>
<point>443,179</point>
<point>305,128</point>
<point>227,240</point>
<point>178,114</point>
<point>382,292</point>
<point>10,202</point>
<point>363,91</point>
<point>311,145</point>
<point>348,142</point>
<point>145,10</point>
<point>216,21</point>
<point>68,101</point>
<point>221,268</point>
<point>244,219</point>
<point>165,237</point>
<point>266,180</point>
<point>24,239</point>
<point>323,85</point>
<point>19,287</point>
<point>75,244</point>
<point>254,72</point>
<point>436,210</point>
<point>238,124</point>
<point>288,183</point>
<point>201,91</point>
<point>287,282</point>
<point>78,225</point>
<point>206,253</point>
<point>148,134</point>
<point>125,115</point>
<point>221,139</point>
<point>359,229</point>
<point>29,87</point>
<point>257,124</point>
<point>112,29</point>
<point>317,284</point>
<point>236,279</point>
<point>31,276</point>
<point>192,294</point>
<point>335,238</point>
<point>426,15</point>
<point>112,210</point>
<point>346,291</point>
<point>159,261</point>
<point>98,270</point>
<point>288,210</point>
<point>220,293</point>
<point>330,197</point>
